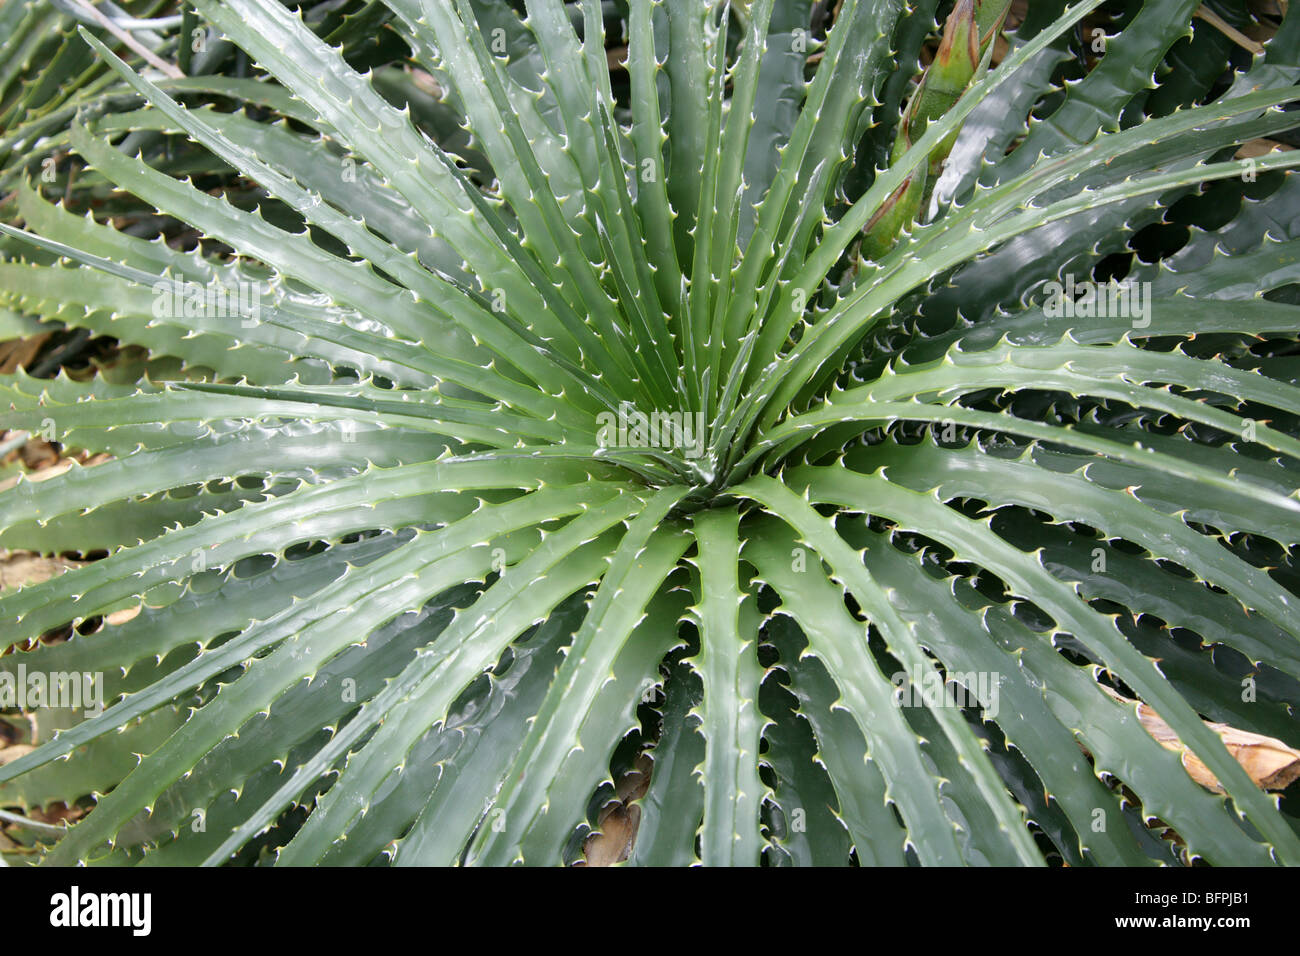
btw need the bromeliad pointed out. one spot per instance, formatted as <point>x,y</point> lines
<point>417,581</point>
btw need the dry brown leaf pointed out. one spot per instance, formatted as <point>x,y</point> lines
<point>57,813</point>
<point>635,782</point>
<point>124,615</point>
<point>426,83</point>
<point>1271,763</point>
<point>20,568</point>
<point>619,819</point>
<point>1260,147</point>
<point>20,352</point>
<point>613,844</point>
<point>1229,31</point>
<point>51,465</point>
<point>13,752</point>
<point>38,453</point>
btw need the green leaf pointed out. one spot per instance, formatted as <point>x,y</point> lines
<point>730,721</point>
<point>1025,576</point>
<point>530,827</point>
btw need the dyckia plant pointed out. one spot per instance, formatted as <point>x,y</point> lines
<point>873,430</point>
